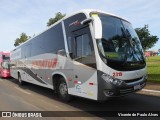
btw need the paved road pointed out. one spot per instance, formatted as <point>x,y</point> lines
<point>35,98</point>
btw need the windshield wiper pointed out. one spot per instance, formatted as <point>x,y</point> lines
<point>132,43</point>
<point>139,49</point>
<point>125,38</point>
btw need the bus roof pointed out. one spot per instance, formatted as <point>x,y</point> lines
<point>88,11</point>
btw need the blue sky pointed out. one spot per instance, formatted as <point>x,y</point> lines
<point>31,16</point>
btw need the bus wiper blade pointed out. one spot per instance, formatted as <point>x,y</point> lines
<point>132,43</point>
<point>133,39</point>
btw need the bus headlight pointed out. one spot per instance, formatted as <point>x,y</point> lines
<point>112,80</point>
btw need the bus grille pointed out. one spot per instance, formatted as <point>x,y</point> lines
<point>130,90</point>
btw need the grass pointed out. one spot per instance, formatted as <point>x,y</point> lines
<point>153,68</point>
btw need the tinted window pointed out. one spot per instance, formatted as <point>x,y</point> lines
<point>86,45</point>
<point>112,27</point>
<point>74,23</point>
<point>119,44</point>
<point>5,57</point>
<point>69,41</point>
<point>28,50</point>
<point>78,42</point>
<point>113,44</point>
<point>48,42</point>
<point>83,46</point>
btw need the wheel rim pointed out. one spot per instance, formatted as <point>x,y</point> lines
<point>63,89</point>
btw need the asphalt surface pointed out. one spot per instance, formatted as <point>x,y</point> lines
<point>35,98</point>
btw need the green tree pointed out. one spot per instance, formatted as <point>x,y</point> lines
<point>23,37</point>
<point>147,40</point>
<point>57,17</point>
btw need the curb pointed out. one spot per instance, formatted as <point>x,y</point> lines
<point>153,91</point>
<point>150,92</point>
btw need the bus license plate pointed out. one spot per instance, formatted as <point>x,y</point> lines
<point>137,87</point>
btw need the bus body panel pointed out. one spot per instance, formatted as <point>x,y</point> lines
<point>40,59</point>
<point>37,61</point>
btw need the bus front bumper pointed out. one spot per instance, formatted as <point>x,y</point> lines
<point>108,90</point>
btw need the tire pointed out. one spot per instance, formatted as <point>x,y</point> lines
<point>20,80</point>
<point>63,90</point>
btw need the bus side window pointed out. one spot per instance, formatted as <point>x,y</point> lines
<point>28,51</point>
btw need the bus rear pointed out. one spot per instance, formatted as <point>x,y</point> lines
<point>4,64</point>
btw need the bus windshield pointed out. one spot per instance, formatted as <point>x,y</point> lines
<point>6,58</point>
<point>119,43</point>
<point>6,65</point>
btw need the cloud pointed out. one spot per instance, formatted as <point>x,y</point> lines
<point>31,16</point>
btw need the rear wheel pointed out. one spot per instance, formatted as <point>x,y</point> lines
<point>63,90</point>
<point>20,80</point>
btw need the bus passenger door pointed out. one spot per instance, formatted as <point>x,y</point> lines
<point>84,64</point>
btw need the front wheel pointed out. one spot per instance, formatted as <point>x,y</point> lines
<point>63,90</point>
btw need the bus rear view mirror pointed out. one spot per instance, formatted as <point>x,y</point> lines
<point>86,21</point>
<point>97,27</point>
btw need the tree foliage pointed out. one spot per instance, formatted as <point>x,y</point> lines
<point>147,40</point>
<point>57,17</point>
<point>23,37</point>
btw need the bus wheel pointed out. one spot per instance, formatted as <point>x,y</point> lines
<point>63,90</point>
<point>20,80</point>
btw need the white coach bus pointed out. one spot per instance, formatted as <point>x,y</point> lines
<point>90,54</point>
